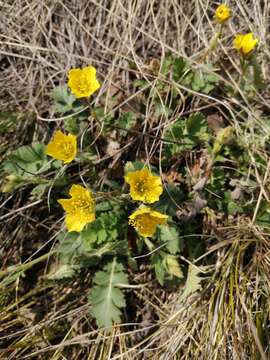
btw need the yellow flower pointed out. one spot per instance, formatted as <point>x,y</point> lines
<point>245,43</point>
<point>80,208</point>
<point>223,13</point>
<point>83,82</point>
<point>144,186</point>
<point>62,147</point>
<point>145,220</point>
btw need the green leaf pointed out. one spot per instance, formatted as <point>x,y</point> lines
<point>263,216</point>
<point>101,277</point>
<point>157,263</point>
<point>64,271</point>
<point>166,267</point>
<point>133,166</point>
<point>169,199</point>
<point>193,282</point>
<point>198,81</point>
<point>39,190</point>
<point>13,182</point>
<point>140,83</point>
<point>105,236</point>
<point>173,266</point>
<point>27,160</point>
<point>259,81</point>
<point>102,236</point>
<point>175,134</point>
<point>64,99</point>
<point>8,122</point>
<point>233,207</point>
<point>196,125</point>
<point>161,109</point>
<point>69,247</point>
<point>179,67</point>
<point>185,134</point>
<point>222,137</point>
<point>203,79</point>
<point>104,206</point>
<point>170,236</point>
<point>106,298</point>
<point>107,227</point>
<point>166,64</point>
<point>98,112</point>
<point>126,121</point>
<point>72,125</point>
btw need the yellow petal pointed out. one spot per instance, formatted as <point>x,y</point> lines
<point>90,71</point>
<point>72,140</point>
<point>53,151</point>
<point>249,43</point>
<point>128,178</point>
<point>78,191</point>
<point>144,210</point>
<point>74,73</point>
<point>238,41</point>
<point>52,148</point>
<point>136,196</point>
<point>149,232</point>
<point>76,222</point>
<point>159,216</point>
<point>67,204</point>
<point>59,136</point>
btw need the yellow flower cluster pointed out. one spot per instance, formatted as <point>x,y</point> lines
<point>144,186</point>
<point>147,188</point>
<point>80,208</point>
<point>244,43</point>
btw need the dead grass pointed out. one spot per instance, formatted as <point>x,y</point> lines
<point>40,41</point>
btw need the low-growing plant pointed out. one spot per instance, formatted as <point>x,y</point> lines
<point>146,212</point>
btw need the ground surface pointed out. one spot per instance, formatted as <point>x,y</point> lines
<point>224,206</point>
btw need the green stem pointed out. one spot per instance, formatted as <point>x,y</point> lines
<point>214,41</point>
<point>13,272</point>
<point>244,66</point>
<point>149,244</point>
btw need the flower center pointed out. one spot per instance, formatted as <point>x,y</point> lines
<point>83,84</point>
<point>143,223</point>
<point>66,148</point>
<point>141,187</point>
<point>82,205</point>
